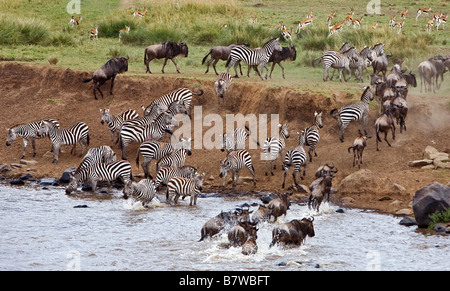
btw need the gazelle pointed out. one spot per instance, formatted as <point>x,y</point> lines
<point>357,22</point>
<point>286,34</point>
<point>404,13</point>
<point>330,18</point>
<point>94,32</point>
<point>349,18</point>
<point>422,10</point>
<point>304,23</point>
<point>399,25</point>
<point>126,30</point>
<point>75,21</point>
<point>392,21</point>
<point>374,26</point>
<point>335,28</point>
<point>140,13</point>
<point>430,25</point>
<point>441,20</point>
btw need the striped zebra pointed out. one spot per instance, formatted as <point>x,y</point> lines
<point>363,58</point>
<point>166,173</point>
<point>28,132</point>
<point>234,162</point>
<point>100,172</point>
<point>354,112</point>
<point>140,133</point>
<point>297,158</point>
<point>78,132</point>
<point>235,140</point>
<point>181,94</point>
<point>221,85</point>
<point>274,146</point>
<point>152,150</point>
<point>253,57</point>
<point>143,191</point>
<point>178,186</point>
<point>339,61</point>
<point>115,122</point>
<point>312,136</point>
<point>175,159</point>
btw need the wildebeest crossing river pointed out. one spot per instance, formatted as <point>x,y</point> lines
<point>44,229</point>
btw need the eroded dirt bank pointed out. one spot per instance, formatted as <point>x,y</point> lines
<point>29,93</point>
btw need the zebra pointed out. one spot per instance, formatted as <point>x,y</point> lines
<point>178,186</point>
<point>100,172</point>
<point>338,61</point>
<point>143,191</point>
<point>155,150</point>
<point>221,85</point>
<point>115,122</point>
<point>274,146</point>
<point>28,132</point>
<point>175,159</point>
<point>78,132</point>
<point>297,158</point>
<point>253,57</point>
<point>234,162</point>
<point>167,173</point>
<point>360,62</point>
<point>358,111</point>
<point>181,94</point>
<point>140,133</point>
<point>235,140</point>
<point>312,136</point>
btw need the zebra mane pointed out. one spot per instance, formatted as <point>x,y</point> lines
<point>365,92</point>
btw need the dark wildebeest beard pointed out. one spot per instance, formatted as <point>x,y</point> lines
<point>108,71</point>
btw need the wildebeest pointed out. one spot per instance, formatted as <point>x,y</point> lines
<point>287,53</point>
<point>380,64</point>
<point>216,224</point>
<point>239,234</point>
<point>384,123</point>
<point>279,205</point>
<point>293,232</point>
<point>320,187</point>
<point>219,53</point>
<point>108,71</point>
<point>167,50</point>
<point>358,147</point>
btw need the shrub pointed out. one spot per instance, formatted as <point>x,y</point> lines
<point>439,217</point>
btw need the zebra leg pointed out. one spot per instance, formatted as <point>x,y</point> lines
<point>325,74</point>
<point>25,143</point>
<point>235,70</point>
<point>286,169</point>
<point>294,176</point>
<point>145,167</point>
<point>56,148</point>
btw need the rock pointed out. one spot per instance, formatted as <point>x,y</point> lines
<point>65,177</point>
<point>429,150</point>
<point>5,168</point>
<point>405,211</point>
<point>365,181</point>
<point>27,176</point>
<point>408,221</point>
<point>15,165</point>
<point>27,162</point>
<point>348,200</point>
<point>420,163</point>
<point>439,156</point>
<point>48,182</point>
<point>431,198</point>
<point>441,164</point>
<point>17,182</point>
<point>442,227</point>
<point>399,187</point>
<point>428,167</point>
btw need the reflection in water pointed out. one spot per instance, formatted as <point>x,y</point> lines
<point>43,230</point>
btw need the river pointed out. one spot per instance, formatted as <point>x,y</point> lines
<point>45,229</point>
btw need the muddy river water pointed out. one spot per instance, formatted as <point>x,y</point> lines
<point>45,229</point>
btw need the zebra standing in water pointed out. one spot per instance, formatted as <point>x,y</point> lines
<point>339,61</point>
<point>274,146</point>
<point>312,136</point>
<point>140,133</point>
<point>78,132</point>
<point>236,140</point>
<point>234,162</point>
<point>155,150</point>
<point>166,173</point>
<point>100,172</point>
<point>143,191</point>
<point>358,111</point>
<point>253,57</point>
<point>297,158</point>
<point>28,132</point>
<point>178,186</point>
<point>181,94</point>
<point>115,122</point>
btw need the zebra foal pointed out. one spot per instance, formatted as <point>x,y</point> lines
<point>234,162</point>
<point>221,85</point>
<point>28,132</point>
<point>178,186</point>
<point>143,191</point>
<point>78,132</point>
<point>358,111</point>
<point>253,57</point>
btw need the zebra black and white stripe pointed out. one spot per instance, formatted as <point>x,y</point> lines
<point>115,122</point>
<point>358,111</point>
<point>152,150</point>
<point>297,158</point>
<point>312,136</point>
<point>234,162</point>
<point>236,140</point>
<point>28,132</point>
<point>274,146</point>
<point>176,158</point>
<point>253,57</point>
<point>100,172</point>
<point>166,173</point>
<point>181,94</point>
<point>143,191</point>
<point>178,186</point>
<point>78,132</point>
<point>339,61</point>
<point>140,133</point>
<point>221,85</point>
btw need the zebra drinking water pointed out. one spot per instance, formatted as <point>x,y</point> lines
<point>274,146</point>
<point>28,132</point>
<point>312,136</point>
<point>358,111</point>
<point>253,57</point>
<point>297,158</point>
<point>234,162</point>
<point>78,132</point>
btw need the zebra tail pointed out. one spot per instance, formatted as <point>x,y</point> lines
<point>249,133</point>
<point>145,56</point>
<point>228,61</point>
<point>315,60</point>
<point>119,141</point>
<point>88,139</point>
<point>204,59</point>
<point>198,94</point>
<point>137,156</point>
<point>349,149</point>
<point>333,113</point>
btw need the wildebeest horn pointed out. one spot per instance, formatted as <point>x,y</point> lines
<point>127,57</point>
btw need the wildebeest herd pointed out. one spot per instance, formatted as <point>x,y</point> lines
<point>101,164</point>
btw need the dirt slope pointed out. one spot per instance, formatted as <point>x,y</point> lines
<point>29,93</point>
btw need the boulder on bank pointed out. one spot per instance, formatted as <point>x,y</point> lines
<point>426,201</point>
